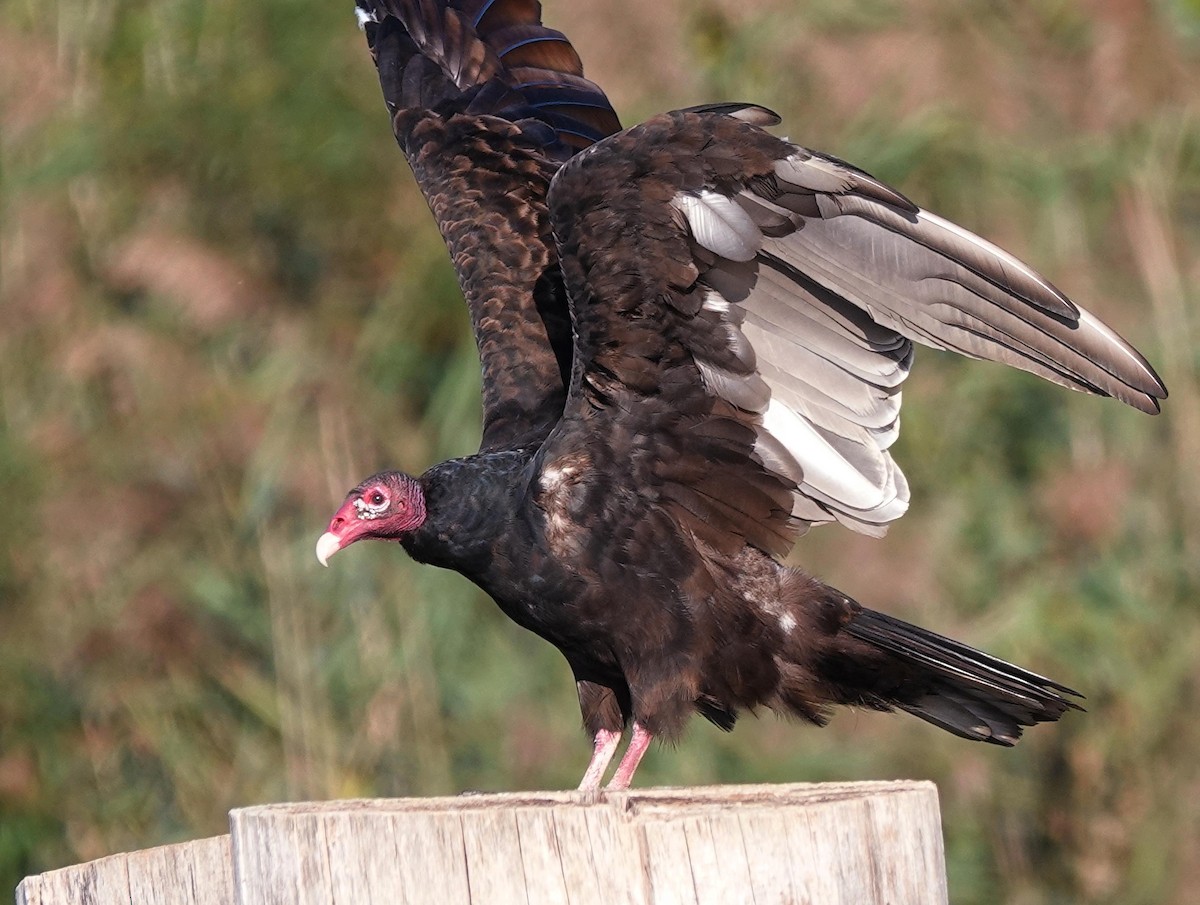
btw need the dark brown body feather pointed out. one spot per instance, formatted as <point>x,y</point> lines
<point>657,626</point>
<point>744,313</point>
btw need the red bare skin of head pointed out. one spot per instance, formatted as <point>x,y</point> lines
<point>386,506</point>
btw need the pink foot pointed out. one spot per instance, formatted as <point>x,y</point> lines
<point>638,743</point>
<point>605,746</point>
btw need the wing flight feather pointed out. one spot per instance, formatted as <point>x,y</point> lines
<point>723,273</point>
<point>486,103</point>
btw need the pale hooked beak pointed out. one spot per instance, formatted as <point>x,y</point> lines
<point>327,544</point>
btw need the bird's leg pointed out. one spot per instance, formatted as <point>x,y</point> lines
<point>639,741</point>
<point>605,746</point>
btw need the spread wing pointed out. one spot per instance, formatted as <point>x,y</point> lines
<point>745,315</point>
<point>486,103</point>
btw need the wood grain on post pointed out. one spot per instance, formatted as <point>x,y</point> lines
<point>851,843</point>
<point>191,873</point>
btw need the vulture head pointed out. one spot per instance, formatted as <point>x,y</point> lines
<point>387,506</point>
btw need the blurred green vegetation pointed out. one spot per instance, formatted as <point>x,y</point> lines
<point>223,302</point>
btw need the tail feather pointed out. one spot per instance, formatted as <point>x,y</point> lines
<point>958,688</point>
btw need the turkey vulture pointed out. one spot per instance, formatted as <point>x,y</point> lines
<point>693,337</point>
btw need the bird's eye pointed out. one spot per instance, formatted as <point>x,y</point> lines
<point>377,499</point>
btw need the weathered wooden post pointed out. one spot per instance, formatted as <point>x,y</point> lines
<point>191,873</point>
<point>853,843</point>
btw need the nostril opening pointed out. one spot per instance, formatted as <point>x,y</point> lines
<point>336,524</point>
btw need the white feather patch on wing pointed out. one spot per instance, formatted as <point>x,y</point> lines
<point>719,224</point>
<point>824,469</point>
<point>829,406</point>
<point>714,301</point>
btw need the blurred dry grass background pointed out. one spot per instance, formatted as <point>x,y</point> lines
<point>223,302</point>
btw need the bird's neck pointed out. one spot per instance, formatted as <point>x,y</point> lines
<point>469,504</point>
